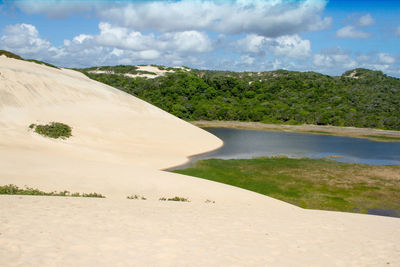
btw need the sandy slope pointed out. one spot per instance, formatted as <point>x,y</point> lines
<point>119,145</point>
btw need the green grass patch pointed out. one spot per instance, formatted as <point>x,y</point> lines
<point>309,183</point>
<point>15,190</point>
<point>53,130</point>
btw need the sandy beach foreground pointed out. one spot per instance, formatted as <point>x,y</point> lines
<point>119,146</point>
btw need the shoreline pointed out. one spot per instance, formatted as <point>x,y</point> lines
<point>367,133</point>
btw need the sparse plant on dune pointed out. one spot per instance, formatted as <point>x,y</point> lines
<point>176,198</point>
<point>53,130</point>
<point>15,190</point>
<point>136,197</point>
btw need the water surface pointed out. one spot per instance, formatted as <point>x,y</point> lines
<point>245,144</point>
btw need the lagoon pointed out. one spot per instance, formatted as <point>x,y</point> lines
<point>245,144</point>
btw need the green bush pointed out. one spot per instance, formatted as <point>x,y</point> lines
<point>10,55</point>
<point>178,199</point>
<point>53,130</point>
<point>136,197</point>
<point>15,190</point>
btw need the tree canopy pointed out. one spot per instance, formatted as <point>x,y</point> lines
<point>359,97</point>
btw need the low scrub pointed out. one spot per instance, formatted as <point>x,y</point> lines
<point>10,55</point>
<point>53,130</point>
<point>136,197</point>
<point>182,199</point>
<point>15,190</point>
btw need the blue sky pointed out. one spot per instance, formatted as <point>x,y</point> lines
<point>241,35</point>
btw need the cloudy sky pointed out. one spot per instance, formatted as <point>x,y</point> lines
<point>241,35</point>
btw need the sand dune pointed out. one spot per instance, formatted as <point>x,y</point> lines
<point>119,146</point>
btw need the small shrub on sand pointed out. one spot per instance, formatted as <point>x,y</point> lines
<point>15,190</point>
<point>53,130</point>
<point>182,199</point>
<point>136,197</point>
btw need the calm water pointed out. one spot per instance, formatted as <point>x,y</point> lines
<point>244,144</point>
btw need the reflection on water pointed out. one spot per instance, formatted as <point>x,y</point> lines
<point>244,144</point>
<point>383,212</point>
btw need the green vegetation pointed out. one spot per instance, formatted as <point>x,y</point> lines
<point>53,130</point>
<point>41,63</point>
<point>360,97</point>
<point>182,199</point>
<point>136,197</point>
<point>309,183</point>
<point>10,55</point>
<point>15,190</point>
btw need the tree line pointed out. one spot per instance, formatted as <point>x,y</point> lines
<point>359,97</point>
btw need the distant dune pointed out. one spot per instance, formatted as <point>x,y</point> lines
<point>119,146</point>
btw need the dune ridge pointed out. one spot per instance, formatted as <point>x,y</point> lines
<point>119,146</point>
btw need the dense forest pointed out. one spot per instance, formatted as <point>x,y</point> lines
<point>359,97</point>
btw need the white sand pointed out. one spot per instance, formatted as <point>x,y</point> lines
<point>157,72</point>
<point>118,148</point>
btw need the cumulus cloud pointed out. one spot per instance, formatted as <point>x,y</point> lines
<point>334,57</point>
<point>270,18</point>
<point>125,38</point>
<point>121,45</point>
<point>24,39</point>
<point>352,32</point>
<point>365,21</point>
<point>386,58</point>
<point>336,60</point>
<point>283,46</point>
<point>267,18</point>
<point>112,45</point>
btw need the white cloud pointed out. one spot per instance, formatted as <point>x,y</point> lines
<point>335,61</point>
<point>25,39</point>
<point>284,46</point>
<point>270,18</point>
<point>123,38</point>
<point>352,32</point>
<point>186,41</point>
<point>386,59</point>
<point>365,21</point>
<point>292,46</point>
<point>120,45</point>
<point>323,61</point>
<point>253,43</point>
<point>113,45</point>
